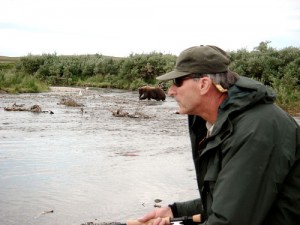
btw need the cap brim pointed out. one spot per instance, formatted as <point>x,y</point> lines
<point>172,75</point>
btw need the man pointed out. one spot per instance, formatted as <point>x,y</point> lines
<point>246,149</point>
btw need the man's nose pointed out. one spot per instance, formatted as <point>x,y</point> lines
<point>171,90</point>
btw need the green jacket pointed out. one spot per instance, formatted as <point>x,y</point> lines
<point>248,170</point>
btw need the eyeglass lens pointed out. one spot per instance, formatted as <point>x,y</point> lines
<point>179,81</point>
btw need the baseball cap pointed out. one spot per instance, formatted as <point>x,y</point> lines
<point>203,59</point>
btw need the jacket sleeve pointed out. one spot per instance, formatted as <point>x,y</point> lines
<point>188,208</point>
<point>257,158</point>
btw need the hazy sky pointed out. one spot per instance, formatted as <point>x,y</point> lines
<point>122,27</point>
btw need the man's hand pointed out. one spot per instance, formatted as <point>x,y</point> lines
<point>157,216</point>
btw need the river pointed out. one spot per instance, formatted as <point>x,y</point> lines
<point>84,164</point>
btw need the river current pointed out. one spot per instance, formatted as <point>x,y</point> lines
<point>84,164</point>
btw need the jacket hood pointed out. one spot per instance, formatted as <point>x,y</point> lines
<point>244,94</point>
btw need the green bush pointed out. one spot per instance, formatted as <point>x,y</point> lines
<point>279,69</point>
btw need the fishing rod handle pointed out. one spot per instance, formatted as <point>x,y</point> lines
<point>197,218</point>
<point>186,219</point>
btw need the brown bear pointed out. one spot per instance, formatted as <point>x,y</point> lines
<point>148,92</point>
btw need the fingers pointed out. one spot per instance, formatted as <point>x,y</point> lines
<point>160,221</point>
<point>158,216</point>
<point>148,216</point>
<point>153,221</point>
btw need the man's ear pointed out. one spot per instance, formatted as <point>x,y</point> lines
<point>205,84</point>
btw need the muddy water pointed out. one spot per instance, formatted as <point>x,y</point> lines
<point>86,164</point>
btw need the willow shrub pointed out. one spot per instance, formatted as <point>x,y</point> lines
<point>131,72</point>
<point>279,69</point>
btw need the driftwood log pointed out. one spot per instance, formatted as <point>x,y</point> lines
<point>34,108</point>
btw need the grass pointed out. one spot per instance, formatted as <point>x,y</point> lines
<point>292,109</point>
<point>7,59</point>
<point>20,83</point>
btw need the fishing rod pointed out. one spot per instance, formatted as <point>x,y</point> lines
<point>185,220</point>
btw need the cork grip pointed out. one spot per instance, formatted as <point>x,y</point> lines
<point>197,218</point>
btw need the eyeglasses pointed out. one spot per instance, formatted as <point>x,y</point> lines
<point>179,81</point>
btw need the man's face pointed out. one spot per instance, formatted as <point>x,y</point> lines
<point>186,92</point>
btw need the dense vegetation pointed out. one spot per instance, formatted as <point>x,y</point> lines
<point>279,69</point>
